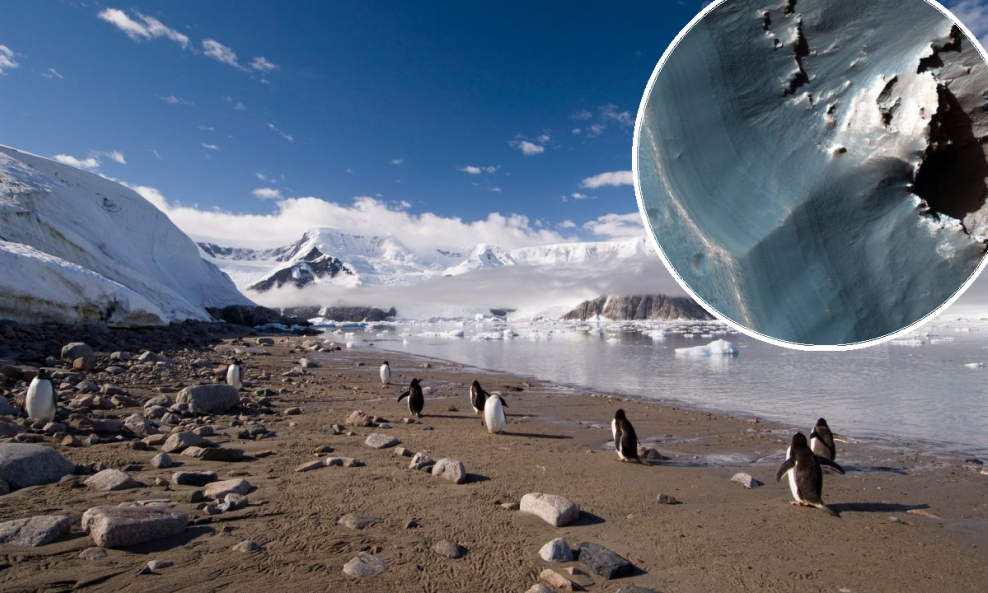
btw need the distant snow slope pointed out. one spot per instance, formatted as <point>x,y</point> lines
<point>76,247</point>
<point>382,260</point>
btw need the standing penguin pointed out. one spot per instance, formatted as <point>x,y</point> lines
<point>494,414</point>
<point>416,400</point>
<point>822,441</point>
<point>235,374</point>
<point>40,401</point>
<point>477,397</point>
<point>805,474</point>
<point>625,439</point>
<point>385,373</point>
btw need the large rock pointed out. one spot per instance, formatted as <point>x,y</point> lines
<point>556,551</point>
<point>112,527</point>
<point>218,490</point>
<point>551,508</point>
<point>194,478</point>
<point>71,352</point>
<point>604,562</point>
<point>24,465</point>
<point>221,454</point>
<point>380,441</point>
<point>450,469</point>
<point>745,480</point>
<point>421,461</point>
<point>357,522</point>
<point>7,408</point>
<point>364,565</point>
<point>139,425</point>
<point>111,479</point>
<point>180,441</point>
<point>209,399</point>
<point>35,531</point>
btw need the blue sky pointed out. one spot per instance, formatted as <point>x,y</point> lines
<point>445,109</point>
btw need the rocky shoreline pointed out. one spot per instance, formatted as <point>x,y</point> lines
<point>154,475</point>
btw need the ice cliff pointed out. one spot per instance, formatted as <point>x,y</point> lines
<point>76,247</point>
<point>815,169</point>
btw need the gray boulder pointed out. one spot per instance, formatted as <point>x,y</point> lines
<point>193,478</point>
<point>180,441</point>
<point>556,551</point>
<point>23,464</point>
<point>604,562</point>
<point>218,490</point>
<point>421,461</point>
<point>551,508</point>
<point>745,480</point>
<point>34,531</point>
<point>111,479</point>
<point>209,399</point>
<point>112,527</point>
<point>75,350</point>
<point>380,441</point>
<point>364,565</point>
<point>450,469</point>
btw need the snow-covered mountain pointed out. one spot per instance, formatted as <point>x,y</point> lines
<point>332,256</point>
<point>76,247</point>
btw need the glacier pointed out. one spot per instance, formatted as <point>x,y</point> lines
<point>815,170</point>
<point>78,248</point>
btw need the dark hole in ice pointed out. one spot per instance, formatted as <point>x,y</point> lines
<point>766,20</point>
<point>952,176</point>
<point>790,7</point>
<point>950,43</point>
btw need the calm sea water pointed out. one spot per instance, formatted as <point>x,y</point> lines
<point>907,392</point>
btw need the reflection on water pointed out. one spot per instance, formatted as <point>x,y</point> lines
<point>916,390</point>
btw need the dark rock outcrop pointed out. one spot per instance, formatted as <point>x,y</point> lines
<point>303,271</point>
<point>341,313</point>
<point>623,308</point>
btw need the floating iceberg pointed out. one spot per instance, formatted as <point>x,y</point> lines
<point>975,365</point>
<point>813,169</point>
<point>715,348</point>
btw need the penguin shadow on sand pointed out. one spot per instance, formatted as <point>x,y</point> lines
<point>877,507</point>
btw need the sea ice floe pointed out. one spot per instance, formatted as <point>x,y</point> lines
<point>715,348</point>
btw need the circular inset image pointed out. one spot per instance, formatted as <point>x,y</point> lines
<point>815,172</point>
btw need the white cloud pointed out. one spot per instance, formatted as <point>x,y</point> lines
<point>527,148</point>
<point>293,216</point>
<point>173,100</point>
<point>88,164</point>
<point>623,118</point>
<point>263,177</point>
<point>596,130</point>
<point>221,53</point>
<point>617,226</point>
<point>240,106</point>
<point>612,178</point>
<point>974,14</point>
<point>272,127</point>
<point>397,161</point>
<point>115,156</point>
<point>263,65</point>
<point>579,196</point>
<point>156,154</point>
<point>544,138</point>
<point>472,170</point>
<point>496,189</point>
<point>581,115</point>
<point>52,74</point>
<point>210,146</point>
<point>151,28</point>
<point>267,193</point>
<point>576,131</point>
<point>567,224</point>
<point>7,59</point>
<point>205,128</point>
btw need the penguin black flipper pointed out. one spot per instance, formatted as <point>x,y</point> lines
<point>403,395</point>
<point>833,464</point>
<point>827,443</point>
<point>787,465</point>
<point>503,403</point>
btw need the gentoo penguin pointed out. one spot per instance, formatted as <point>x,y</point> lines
<point>235,374</point>
<point>805,474</point>
<point>385,373</point>
<point>625,439</point>
<point>494,414</point>
<point>416,401</point>
<point>822,441</point>
<point>40,401</point>
<point>477,397</point>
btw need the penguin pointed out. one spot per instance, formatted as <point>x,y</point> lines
<point>625,439</point>
<point>235,374</point>
<point>822,441</point>
<point>40,401</point>
<point>805,474</point>
<point>477,397</point>
<point>494,414</point>
<point>385,373</point>
<point>416,401</point>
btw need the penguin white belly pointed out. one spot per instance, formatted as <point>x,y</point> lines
<point>494,415</point>
<point>385,374</point>
<point>233,377</point>
<point>40,401</point>
<point>792,484</point>
<point>614,433</point>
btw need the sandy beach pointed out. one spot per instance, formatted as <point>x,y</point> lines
<point>909,520</point>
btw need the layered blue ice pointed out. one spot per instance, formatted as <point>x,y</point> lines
<point>781,159</point>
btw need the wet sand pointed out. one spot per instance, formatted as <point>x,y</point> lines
<point>908,521</point>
